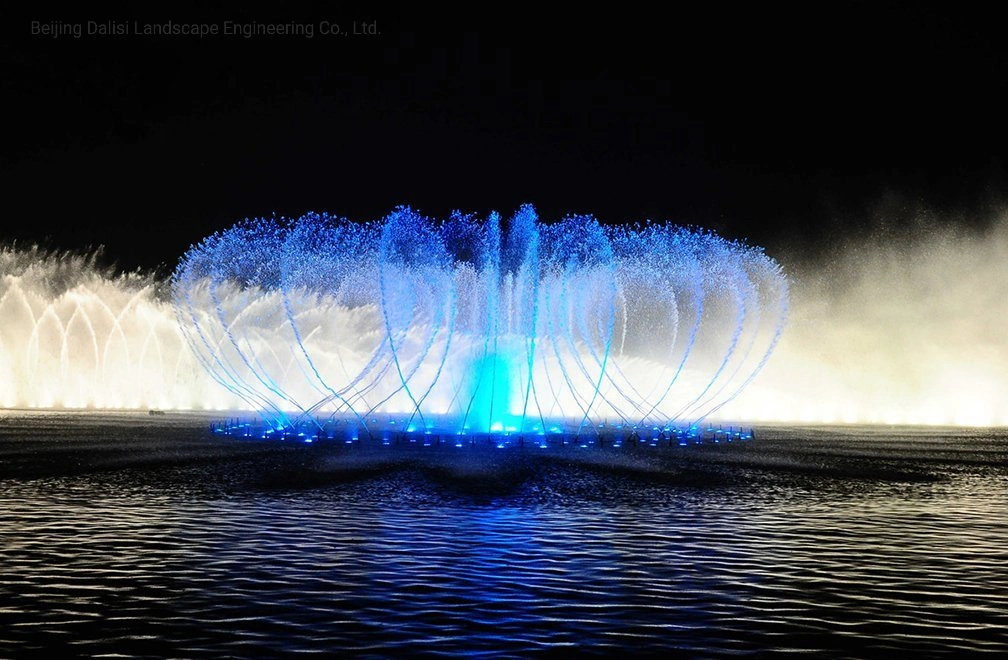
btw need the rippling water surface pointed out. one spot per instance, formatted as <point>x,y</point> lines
<point>144,535</point>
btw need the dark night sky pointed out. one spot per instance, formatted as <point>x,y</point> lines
<point>779,125</point>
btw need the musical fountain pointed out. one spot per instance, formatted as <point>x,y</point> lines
<point>471,330</point>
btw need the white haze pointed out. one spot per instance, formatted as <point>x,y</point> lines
<point>895,330</point>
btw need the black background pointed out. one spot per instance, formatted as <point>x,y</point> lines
<point>786,124</point>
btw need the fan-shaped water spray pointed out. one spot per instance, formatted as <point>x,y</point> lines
<point>75,335</point>
<point>478,325</point>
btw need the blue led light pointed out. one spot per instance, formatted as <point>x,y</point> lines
<point>502,328</point>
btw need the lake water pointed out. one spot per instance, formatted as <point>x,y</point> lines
<point>137,534</point>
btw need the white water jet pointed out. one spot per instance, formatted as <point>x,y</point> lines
<point>73,335</point>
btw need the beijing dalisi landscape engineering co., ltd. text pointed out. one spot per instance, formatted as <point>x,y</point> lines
<point>57,29</point>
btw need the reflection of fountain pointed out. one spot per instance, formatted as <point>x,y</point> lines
<point>443,431</point>
<point>478,326</point>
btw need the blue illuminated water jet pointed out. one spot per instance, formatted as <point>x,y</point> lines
<point>410,330</point>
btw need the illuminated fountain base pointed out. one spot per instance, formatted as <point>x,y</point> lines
<point>443,432</point>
